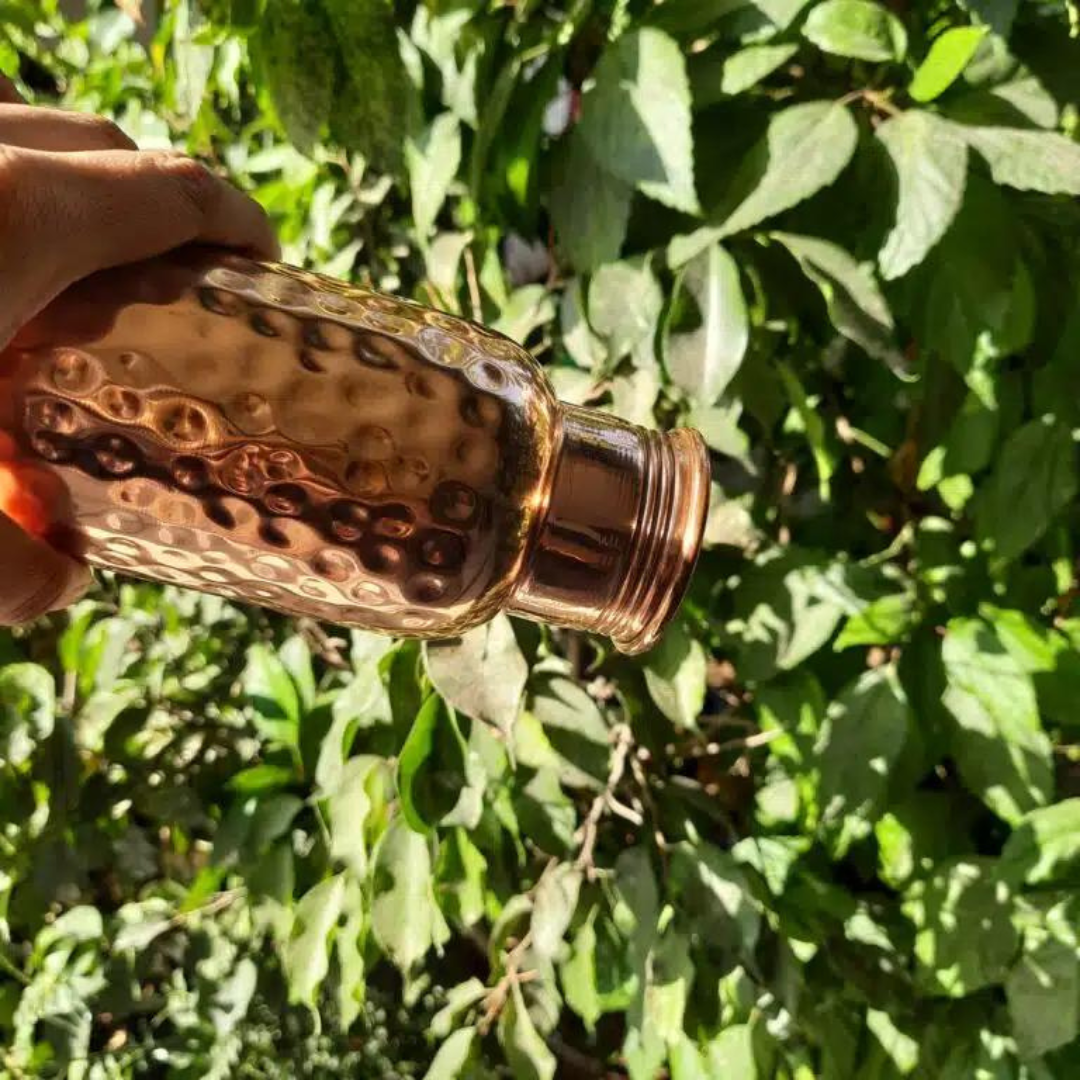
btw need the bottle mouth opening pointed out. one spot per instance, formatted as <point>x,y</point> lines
<point>620,530</point>
<point>669,542</point>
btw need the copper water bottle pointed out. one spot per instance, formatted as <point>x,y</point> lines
<point>281,438</point>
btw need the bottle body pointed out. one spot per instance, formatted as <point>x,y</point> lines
<point>280,438</point>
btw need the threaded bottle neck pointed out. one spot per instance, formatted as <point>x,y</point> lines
<point>620,531</point>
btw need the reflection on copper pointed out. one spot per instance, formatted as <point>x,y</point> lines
<point>276,437</point>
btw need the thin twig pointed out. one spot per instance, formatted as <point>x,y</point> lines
<point>743,742</point>
<point>16,973</point>
<point>495,1000</point>
<point>474,286</point>
<point>874,98</point>
<point>212,906</point>
<point>322,644</point>
<point>637,767</point>
<point>623,738</point>
<point>70,692</point>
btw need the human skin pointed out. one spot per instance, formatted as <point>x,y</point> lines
<point>77,196</point>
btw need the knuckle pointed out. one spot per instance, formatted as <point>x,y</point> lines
<point>107,133</point>
<point>197,185</point>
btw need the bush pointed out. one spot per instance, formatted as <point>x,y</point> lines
<point>829,827</point>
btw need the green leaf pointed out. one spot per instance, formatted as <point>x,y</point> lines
<point>526,1052</point>
<point>633,396</point>
<point>945,62</point>
<point>792,707</point>
<point>574,727</point>
<point>655,1020</point>
<point>1043,992</point>
<point>296,47</point>
<point>452,1056</point>
<point>1033,481</point>
<point>675,676</point>
<point>306,956</point>
<point>104,653</point>
<point>885,621</point>
<point>911,839</point>
<point>405,919</point>
<point>462,878</point>
<point>897,1046</point>
<point>295,656</point>
<point>862,739</point>
<point>703,358</point>
<point>27,710</point>
<point>968,447</point>
<point>1029,160</point>
<point>636,118</point>
<point>273,696</point>
<point>432,160</point>
<point>349,946</point>
<point>624,305</point>
<point>372,104</point>
<point>856,306</point>
<point>691,16</point>
<point>1044,847</point>
<point>964,934</point>
<point>444,35</point>
<point>974,293</point>
<point>546,813</point>
<point>931,173</point>
<point>362,704</point>
<point>348,808</point>
<point>578,973</point>
<point>140,923</point>
<point>805,417</point>
<point>1047,655</point>
<point>9,60</point>
<point>553,907</point>
<point>731,1053</point>
<point>526,309</point>
<point>710,890</point>
<point>590,207</point>
<point>270,820</point>
<point>785,610</point>
<point>996,740</point>
<point>714,78</point>
<point>459,1000</point>
<point>860,29</point>
<point>193,60</point>
<point>482,673</point>
<point>998,15</point>
<point>584,347</point>
<point>805,149</point>
<point>636,915</point>
<point>431,766</point>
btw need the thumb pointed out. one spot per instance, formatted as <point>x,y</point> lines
<point>34,577</point>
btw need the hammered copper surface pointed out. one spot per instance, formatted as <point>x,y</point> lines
<point>274,436</point>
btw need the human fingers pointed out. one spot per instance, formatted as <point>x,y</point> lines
<point>77,213</point>
<point>8,93</point>
<point>37,128</point>
<point>119,207</point>
<point>34,577</point>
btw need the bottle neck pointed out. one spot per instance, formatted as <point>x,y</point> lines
<point>621,529</point>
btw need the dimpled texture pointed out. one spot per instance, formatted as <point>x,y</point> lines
<point>277,437</point>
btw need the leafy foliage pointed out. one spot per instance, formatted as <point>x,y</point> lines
<point>829,826</point>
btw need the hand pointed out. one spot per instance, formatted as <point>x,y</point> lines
<point>77,196</point>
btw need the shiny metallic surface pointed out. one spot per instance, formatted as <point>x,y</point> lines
<point>621,532</point>
<point>280,438</point>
